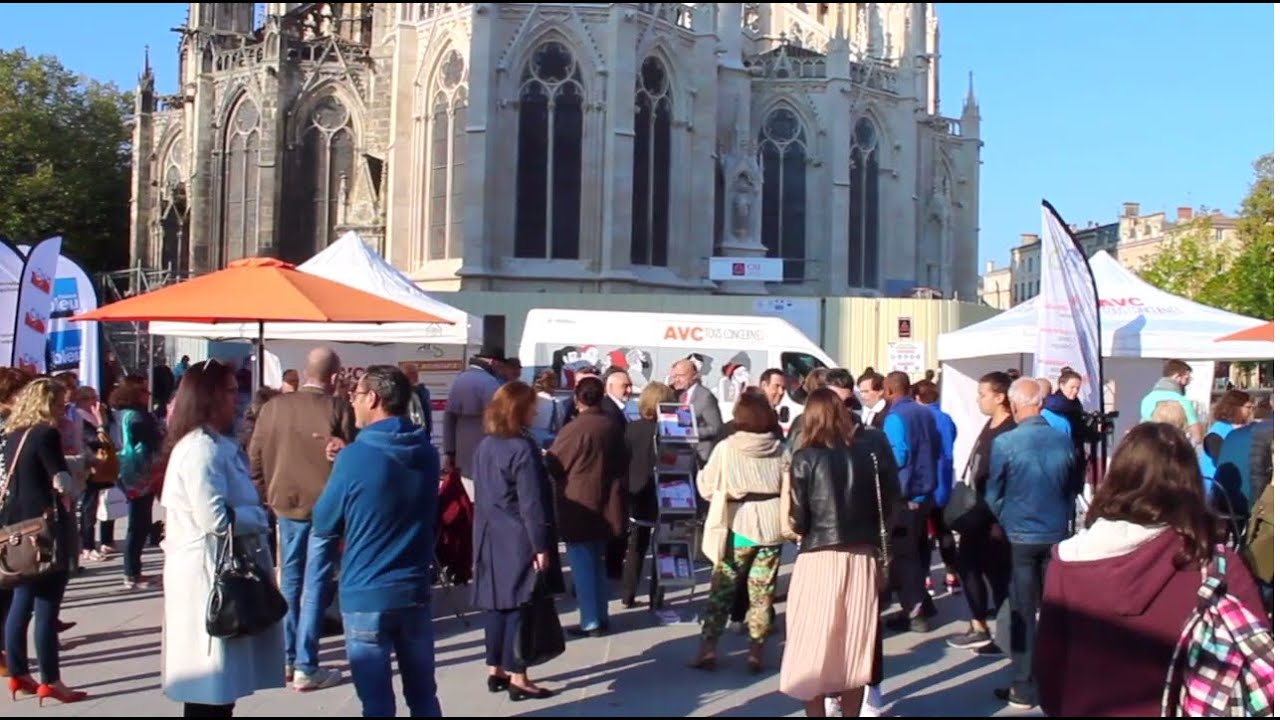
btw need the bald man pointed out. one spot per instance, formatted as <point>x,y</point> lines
<point>290,457</point>
<point>1031,489</point>
<point>687,383</point>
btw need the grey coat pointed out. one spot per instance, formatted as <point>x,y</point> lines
<point>464,415</point>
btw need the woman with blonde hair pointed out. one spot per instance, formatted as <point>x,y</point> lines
<point>844,483</point>
<point>36,481</point>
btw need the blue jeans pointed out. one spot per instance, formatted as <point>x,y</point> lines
<point>1026,590</point>
<point>41,598</point>
<point>371,637</point>
<point>306,580</point>
<point>586,560</point>
<point>137,534</point>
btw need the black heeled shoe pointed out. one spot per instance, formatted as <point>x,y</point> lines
<point>517,694</point>
<point>498,684</point>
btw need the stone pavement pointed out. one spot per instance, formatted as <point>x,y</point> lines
<point>638,671</point>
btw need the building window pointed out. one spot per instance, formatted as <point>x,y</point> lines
<point>323,168</point>
<point>446,145</point>
<point>651,166</point>
<point>864,205</point>
<point>782,145</point>
<point>175,219</point>
<point>240,180</point>
<point>549,156</point>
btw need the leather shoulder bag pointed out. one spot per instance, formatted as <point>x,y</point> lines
<point>244,600</point>
<point>30,549</point>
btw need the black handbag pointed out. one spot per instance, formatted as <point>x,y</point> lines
<point>539,636</point>
<point>244,600</point>
<point>966,511</point>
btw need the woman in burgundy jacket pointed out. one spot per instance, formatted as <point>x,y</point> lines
<point>1117,595</point>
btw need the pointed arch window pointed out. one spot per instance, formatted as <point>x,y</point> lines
<point>549,155</point>
<point>651,166</point>
<point>175,220</point>
<point>784,152</point>
<point>447,152</point>
<point>323,170</point>
<point>240,184</point>
<point>864,205</point>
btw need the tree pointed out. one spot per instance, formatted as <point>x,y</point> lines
<point>1251,278</point>
<point>64,160</point>
<point>1238,276</point>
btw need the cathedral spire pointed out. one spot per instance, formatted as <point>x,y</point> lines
<point>838,49</point>
<point>971,100</point>
<point>145,99</point>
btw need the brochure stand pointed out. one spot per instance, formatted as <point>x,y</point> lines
<point>674,540</point>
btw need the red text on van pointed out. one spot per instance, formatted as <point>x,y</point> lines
<point>678,332</point>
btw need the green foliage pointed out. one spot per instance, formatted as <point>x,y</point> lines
<point>1236,276</point>
<point>64,160</point>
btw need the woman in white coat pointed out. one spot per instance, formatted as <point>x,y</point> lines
<point>207,476</point>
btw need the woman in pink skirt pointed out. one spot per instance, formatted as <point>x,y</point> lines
<point>843,480</point>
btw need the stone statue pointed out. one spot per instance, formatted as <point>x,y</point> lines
<point>744,197</point>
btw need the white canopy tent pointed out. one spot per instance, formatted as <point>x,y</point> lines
<point>351,261</point>
<point>1142,327</point>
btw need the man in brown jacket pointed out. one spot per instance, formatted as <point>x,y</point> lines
<point>290,457</point>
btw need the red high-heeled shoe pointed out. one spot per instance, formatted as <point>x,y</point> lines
<point>25,685</point>
<point>65,697</point>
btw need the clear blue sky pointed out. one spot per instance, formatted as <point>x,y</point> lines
<point>1088,105</point>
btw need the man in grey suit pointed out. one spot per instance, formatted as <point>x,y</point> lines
<point>706,407</point>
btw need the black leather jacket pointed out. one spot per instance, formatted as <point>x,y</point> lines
<point>827,509</point>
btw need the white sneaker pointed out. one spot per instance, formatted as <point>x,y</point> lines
<point>872,702</point>
<point>318,680</point>
<point>832,707</point>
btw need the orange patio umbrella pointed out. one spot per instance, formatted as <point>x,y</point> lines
<point>260,290</point>
<point>1261,333</point>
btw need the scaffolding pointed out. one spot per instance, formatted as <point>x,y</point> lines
<point>131,342</point>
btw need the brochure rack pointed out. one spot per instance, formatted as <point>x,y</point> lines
<point>674,540</point>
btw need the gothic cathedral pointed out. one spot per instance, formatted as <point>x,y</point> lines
<point>570,147</point>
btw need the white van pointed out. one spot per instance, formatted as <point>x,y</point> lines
<point>730,350</point>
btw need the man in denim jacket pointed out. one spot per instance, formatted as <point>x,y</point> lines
<point>1032,490</point>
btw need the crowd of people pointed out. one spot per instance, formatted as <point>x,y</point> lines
<point>335,479</point>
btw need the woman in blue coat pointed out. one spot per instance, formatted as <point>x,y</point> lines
<point>514,534</point>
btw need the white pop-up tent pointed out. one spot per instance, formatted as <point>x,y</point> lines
<point>1142,327</point>
<point>351,261</point>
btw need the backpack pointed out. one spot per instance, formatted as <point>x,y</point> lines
<point>1223,664</point>
<point>135,461</point>
<point>1259,539</point>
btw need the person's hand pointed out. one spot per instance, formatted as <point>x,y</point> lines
<point>541,562</point>
<point>332,445</point>
<point>98,412</point>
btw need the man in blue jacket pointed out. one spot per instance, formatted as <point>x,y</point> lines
<point>381,502</point>
<point>913,435</point>
<point>1031,490</point>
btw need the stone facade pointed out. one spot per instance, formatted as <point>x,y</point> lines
<point>573,147</point>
